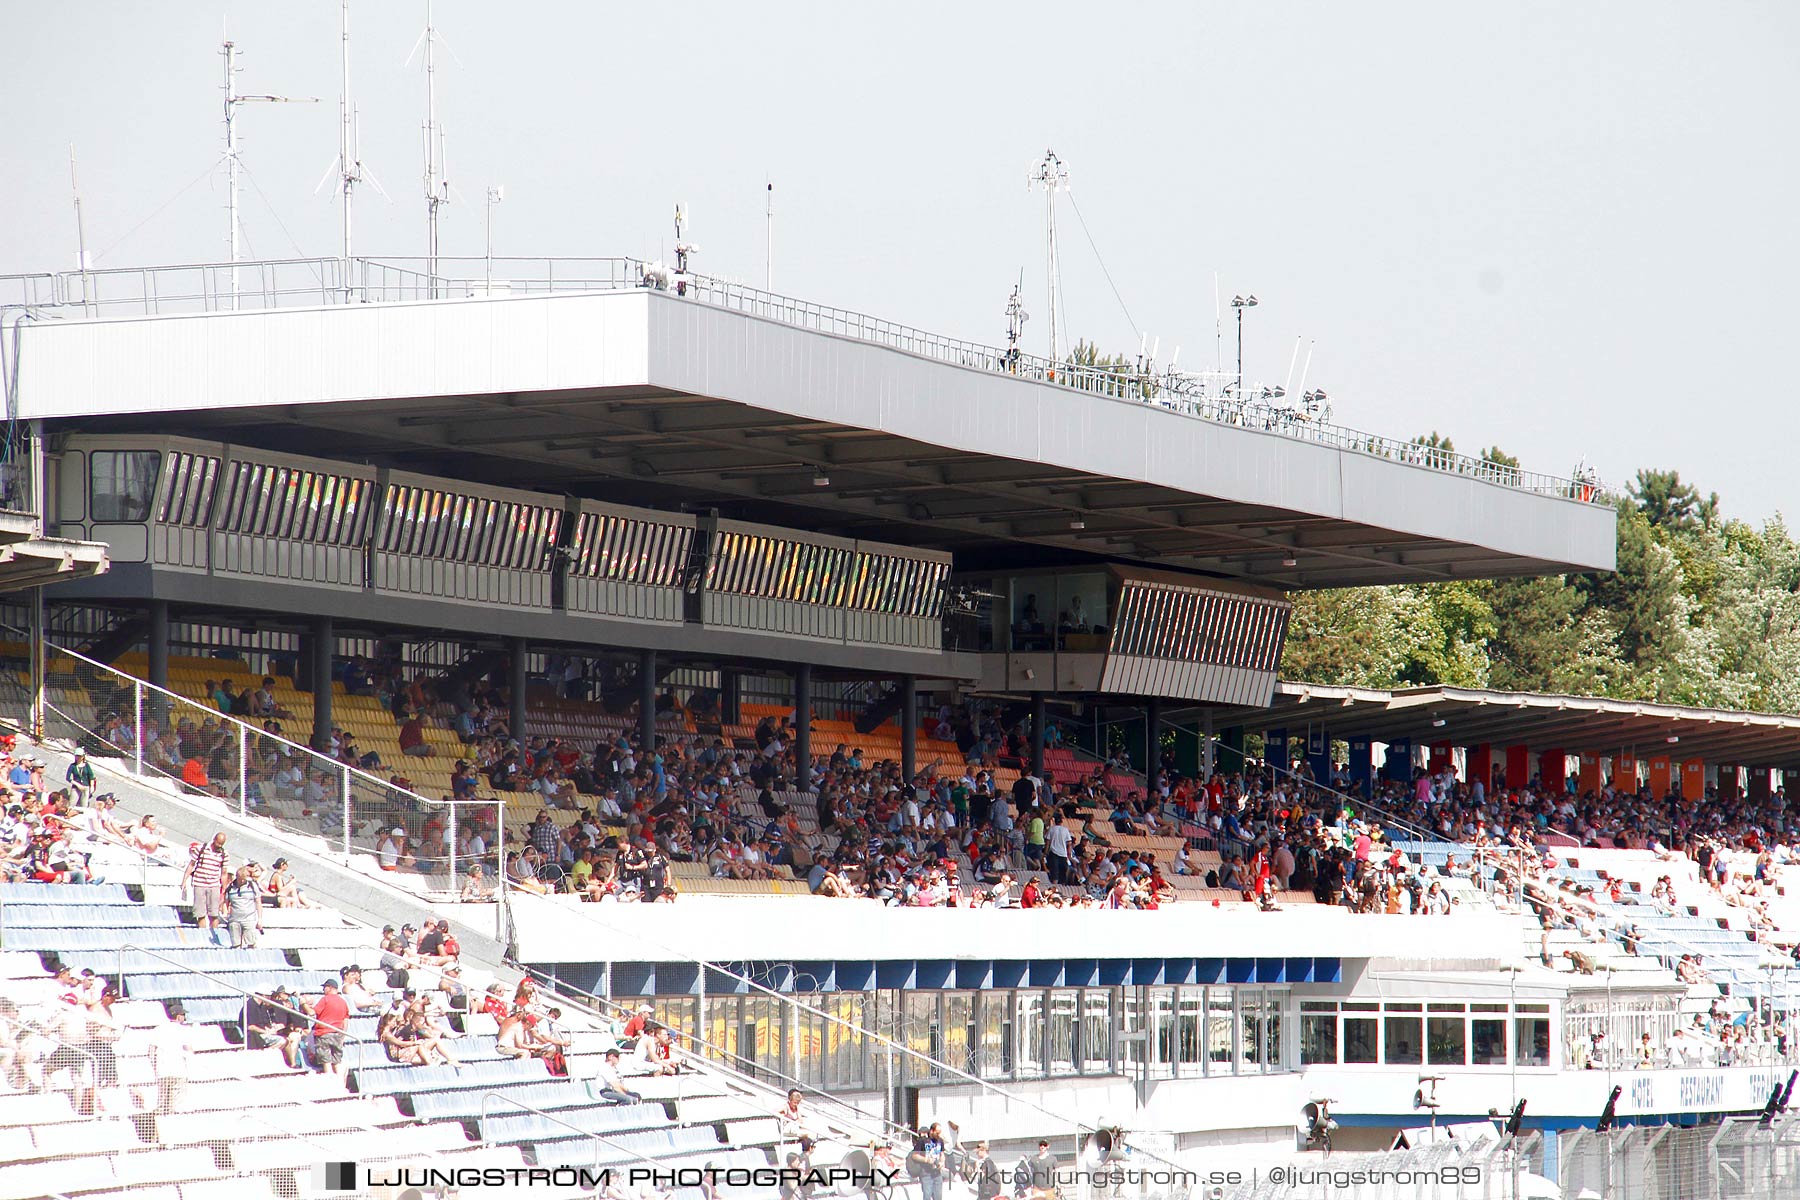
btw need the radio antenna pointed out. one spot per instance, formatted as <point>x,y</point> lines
<point>81,254</point>
<point>233,228</point>
<point>437,186</point>
<point>1053,177</point>
<point>348,163</point>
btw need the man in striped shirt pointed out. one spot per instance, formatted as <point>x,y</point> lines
<point>205,875</point>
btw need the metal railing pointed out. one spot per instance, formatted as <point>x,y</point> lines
<point>350,809</point>
<point>943,1071</point>
<point>599,1139</point>
<point>731,1063</point>
<point>1217,397</point>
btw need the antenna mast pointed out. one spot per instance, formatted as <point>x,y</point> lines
<point>437,188</point>
<point>81,254</point>
<point>349,158</point>
<point>769,261</point>
<point>1053,177</point>
<point>683,248</point>
<point>1016,316</point>
<point>233,232</point>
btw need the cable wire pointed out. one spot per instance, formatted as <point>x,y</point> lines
<point>1135,327</point>
<point>210,168</point>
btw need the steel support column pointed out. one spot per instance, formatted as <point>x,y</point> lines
<point>646,702</point>
<point>324,645</point>
<point>803,727</point>
<point>909,727</point>
<point>516,688</point>
<point>1039,718</point>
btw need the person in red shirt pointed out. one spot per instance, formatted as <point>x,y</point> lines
<point>331,1015</point>
<point>634,1028</point>
<point>1028,898</point>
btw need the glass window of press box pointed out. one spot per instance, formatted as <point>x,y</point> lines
<point>1001,1034</point>
<point>1064,612</point>
<point>122,484</point>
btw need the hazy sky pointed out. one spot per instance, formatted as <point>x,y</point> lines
<point>1568,229</point>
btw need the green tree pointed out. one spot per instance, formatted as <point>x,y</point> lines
<point>1642,595</point>
<point>1667,502</point>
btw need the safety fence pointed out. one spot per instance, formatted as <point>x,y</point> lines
<point>434,847</point>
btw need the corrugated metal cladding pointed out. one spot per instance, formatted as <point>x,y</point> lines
<point>1195,642</point>
<point>809,585</point>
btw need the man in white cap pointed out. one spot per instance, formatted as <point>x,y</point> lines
<point>391,850</point>
<point>80,778</point>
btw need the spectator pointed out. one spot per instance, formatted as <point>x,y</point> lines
<point>412,738</point>
<point>204,879</point>
<point>356,996</point>
<point>1041,1173</point>
<point>611,1082</point>
<point>476,886</point>
<point>515,1038</point>
<point>985,1174</point>
<point>243,910</point>
<point>792,1122</point>
<point>925,1162</point>
<point>80,777</point>
<point>147,835</point>
<point>272,1021</point>
<point>285,888</point>
<point>331,1017</point>
<point>172,1058</point>
<point>656,1051</point>
<point>390,852</point>
<point>438,946</point>
<point>450,985</point>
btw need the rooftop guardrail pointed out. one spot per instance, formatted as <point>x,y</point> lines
<point>1220,398</point>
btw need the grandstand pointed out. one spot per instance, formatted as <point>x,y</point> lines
<point>829,631</point>
<point>246,1124</point>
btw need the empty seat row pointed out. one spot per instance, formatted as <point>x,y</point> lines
<point>62,893</point>
<point>89,916</point>
<point>219,960</point>
<point>516,1127</point>
<point>180,987</point>
<point>388,1081</point>
<point>613,1149</point>
<point>458,1105</point>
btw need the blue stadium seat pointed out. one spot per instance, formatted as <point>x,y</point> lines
<point>518,1127</point>
<point>439,1106</point>
<point>396,1081</point>
<point>64,893</point>
<point>89,916</point>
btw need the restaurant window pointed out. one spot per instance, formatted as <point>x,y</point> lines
<point>1362,1033</point>
<point>1446,1036</point>
<point>1403,1035</point>
<point>1531,1035</point>
<point>1318,1032</point>
<point>1487,1035</point>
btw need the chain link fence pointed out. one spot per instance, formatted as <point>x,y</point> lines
<point>1741,1158</point>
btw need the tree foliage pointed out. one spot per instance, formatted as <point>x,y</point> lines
<point>1699,610</point>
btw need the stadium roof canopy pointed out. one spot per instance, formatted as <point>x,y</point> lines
<point>1473,716</point>
<point>27,560</point>
<point>577,379</point>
